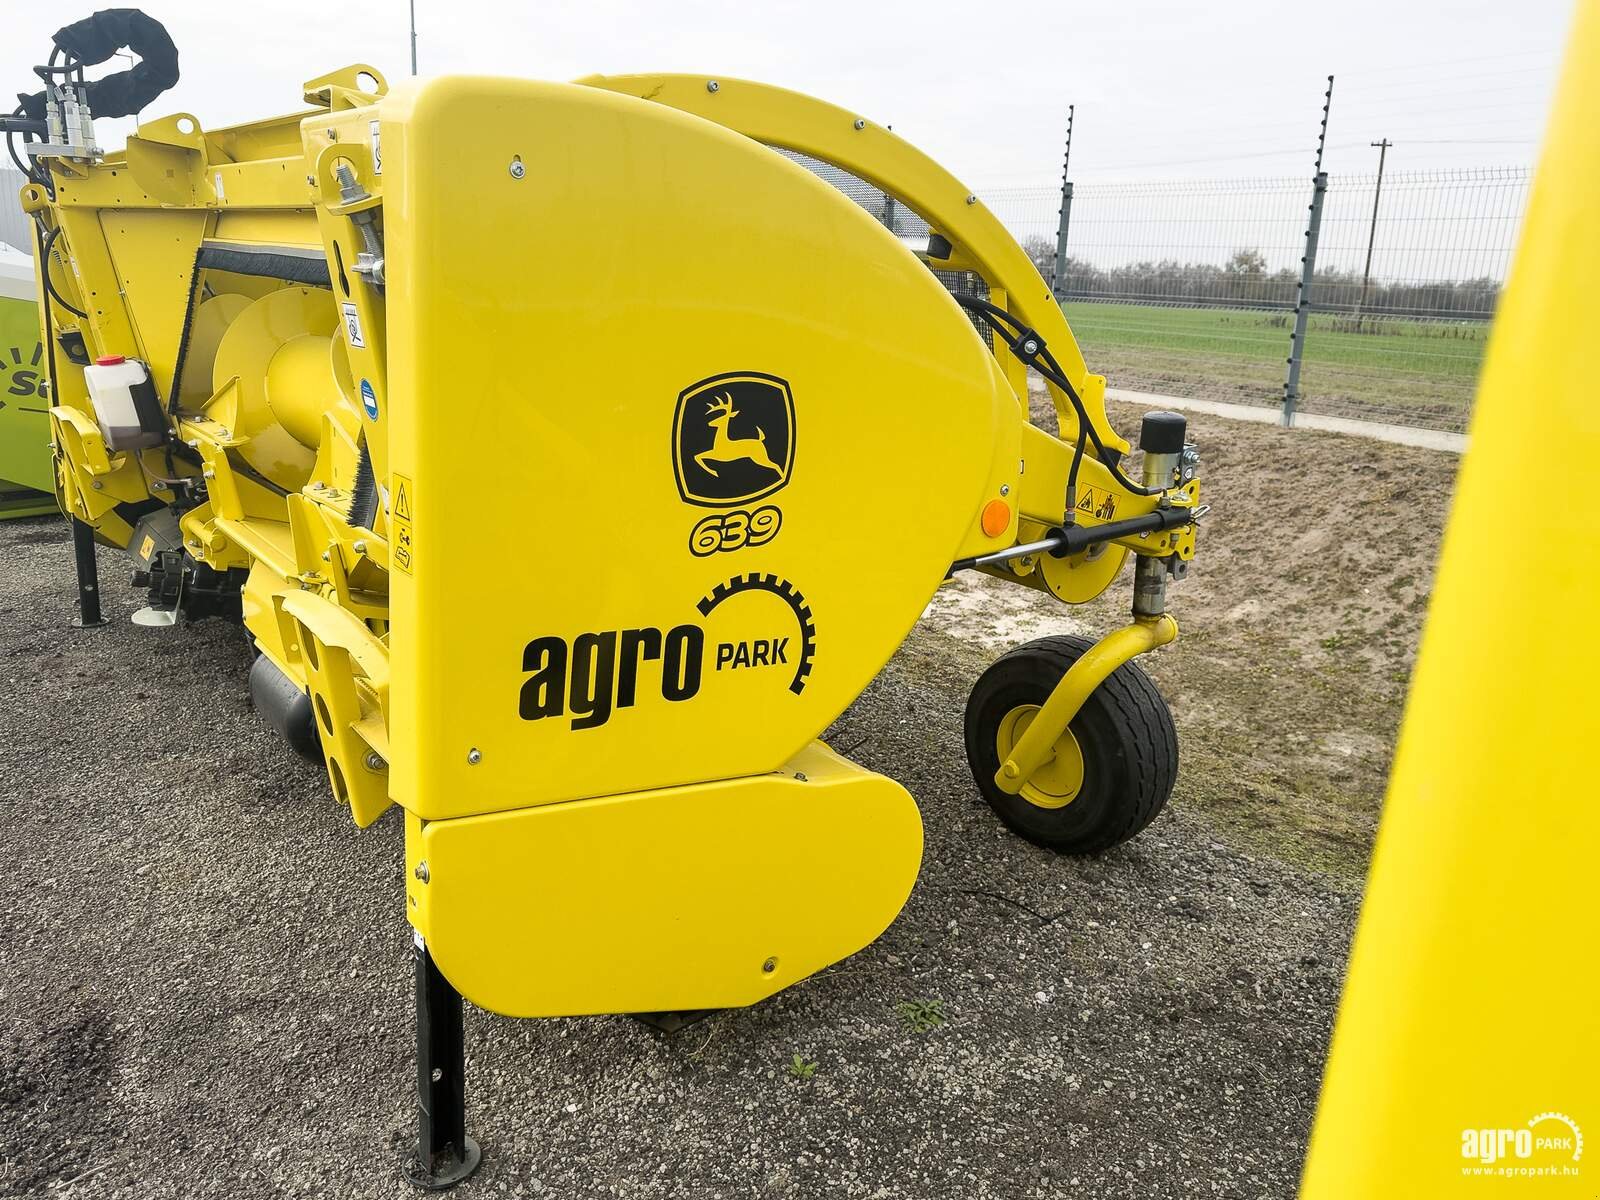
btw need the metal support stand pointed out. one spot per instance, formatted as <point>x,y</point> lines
<point>88,577</point>
<point>445,1154</point>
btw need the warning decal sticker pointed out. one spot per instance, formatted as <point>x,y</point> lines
<point>352,326</point>
<point>402,541</point>
<point>1097,502</point>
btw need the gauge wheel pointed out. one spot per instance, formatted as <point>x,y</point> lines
<point>1113,768</point>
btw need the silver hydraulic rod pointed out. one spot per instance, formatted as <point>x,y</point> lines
<point>1006,555</point>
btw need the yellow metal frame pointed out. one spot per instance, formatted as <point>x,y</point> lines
<point>395,632</point>
<point>979,242</point>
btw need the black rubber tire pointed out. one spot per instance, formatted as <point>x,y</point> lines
<point>1125,730</point>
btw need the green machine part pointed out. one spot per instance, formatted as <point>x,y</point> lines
<point>27,481</point>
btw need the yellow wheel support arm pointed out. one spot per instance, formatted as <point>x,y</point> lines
<point>1034,747</point>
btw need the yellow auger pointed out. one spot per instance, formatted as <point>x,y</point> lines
<point>573,458</point>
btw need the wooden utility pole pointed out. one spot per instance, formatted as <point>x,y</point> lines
<point>1372,232</point>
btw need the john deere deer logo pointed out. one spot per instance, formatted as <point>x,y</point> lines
<point>727,448</point>
<point>733,439</point>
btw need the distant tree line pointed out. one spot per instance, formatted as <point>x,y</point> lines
<point>1244,282</point>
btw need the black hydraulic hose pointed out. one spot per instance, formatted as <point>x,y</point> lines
<point>50,348</point>
<point>96,39</point>
<point>44,273</point>
<point>1072,474</point>
<point>30,170</point>
<point>1028,346</point>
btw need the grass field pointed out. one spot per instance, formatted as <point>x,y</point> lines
<point>1416,371</point>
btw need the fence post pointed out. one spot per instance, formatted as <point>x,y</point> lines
<point>1058,283</point>
<point>1302,307</point>
<point>1308,269</point>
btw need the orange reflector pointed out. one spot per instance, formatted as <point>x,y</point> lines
<point>996,517</point>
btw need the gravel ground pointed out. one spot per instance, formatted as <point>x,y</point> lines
<point>205,984</point>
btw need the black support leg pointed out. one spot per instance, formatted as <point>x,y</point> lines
<point>88,577</point>
<point>445,1154</point>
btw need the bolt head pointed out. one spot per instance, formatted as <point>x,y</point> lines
<point>374,761</point>
<point>712,85</point>
<point>972,199</point>
<point>422,870</point>
<point>1005,489</point>
<point>769,966</point>
<point>518,170</point>
<point>474,757</point>
<point>860,124</point>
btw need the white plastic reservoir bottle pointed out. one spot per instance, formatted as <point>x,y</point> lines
<point>125,403</point>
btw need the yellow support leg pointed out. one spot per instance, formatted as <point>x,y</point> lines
<point>1037,745</point>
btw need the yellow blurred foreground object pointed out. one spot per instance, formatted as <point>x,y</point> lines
<point>1466,1057</point>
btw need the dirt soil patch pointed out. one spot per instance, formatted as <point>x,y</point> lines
<point>204,970</point>
<point>1300,621</point>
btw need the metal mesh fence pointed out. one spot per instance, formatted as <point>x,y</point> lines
<point>1184,288</point>
<point>1188,288</point>
<point>1404,342</point>
<point>1441,244</point>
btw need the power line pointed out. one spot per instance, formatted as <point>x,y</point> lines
<point>1429,82</point>
<point>1450,62</point>
<point>1181,162</point>
<point>1381,102</point>
<point>1286,153</point>
<point>1472,125</point>
<point>1383,110</point>
<point>1386,114</point>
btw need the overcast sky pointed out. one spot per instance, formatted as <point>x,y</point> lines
<point>1163,89</point>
